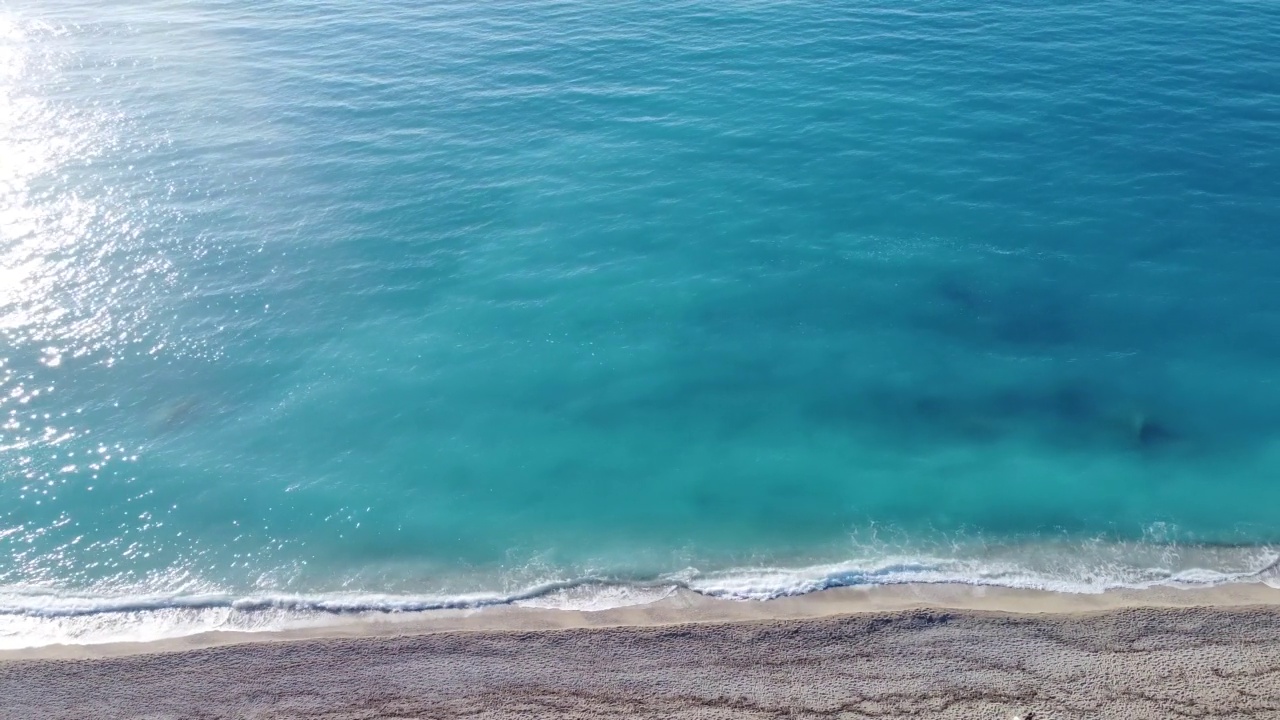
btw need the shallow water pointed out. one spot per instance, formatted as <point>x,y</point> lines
<point>420,304</point>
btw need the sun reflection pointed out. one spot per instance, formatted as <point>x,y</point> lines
<point>65,237</point>
<point>63,227</point>
<point>92,301</point>
<point>33,143</point>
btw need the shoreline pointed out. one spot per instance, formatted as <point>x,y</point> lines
<point>1197,653</point>
<point>685,607</point>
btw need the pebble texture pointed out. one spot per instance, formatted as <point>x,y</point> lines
<point>1133,663</point>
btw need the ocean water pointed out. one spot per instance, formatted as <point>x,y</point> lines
<point>313,307</point>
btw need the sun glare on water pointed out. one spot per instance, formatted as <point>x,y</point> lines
<point>55,230</point>
<point>59,230</point>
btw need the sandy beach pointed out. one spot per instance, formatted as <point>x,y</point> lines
<point>929,652</point>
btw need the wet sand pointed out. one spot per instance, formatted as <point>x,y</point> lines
<point>931,652</point>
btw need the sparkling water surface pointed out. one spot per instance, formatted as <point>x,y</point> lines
<point>448,301</point>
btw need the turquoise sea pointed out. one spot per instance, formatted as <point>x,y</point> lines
<point>316,307</point>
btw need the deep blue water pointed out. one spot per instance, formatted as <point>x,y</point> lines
<point>411,301</point>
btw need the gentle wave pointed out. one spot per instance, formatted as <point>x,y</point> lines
<point>30,617</point>
<point>768,584</point>
<point>53,605</point>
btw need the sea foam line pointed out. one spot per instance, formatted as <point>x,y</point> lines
<point>56,605</point>
<point>744,584</point>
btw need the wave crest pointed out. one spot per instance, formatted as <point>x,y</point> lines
<point>32,617</point>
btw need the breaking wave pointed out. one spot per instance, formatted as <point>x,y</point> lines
<point>33,616</point>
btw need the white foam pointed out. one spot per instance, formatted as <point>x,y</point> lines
<point>31,617</point>
<point>769,583</point>
<point>594,598</point>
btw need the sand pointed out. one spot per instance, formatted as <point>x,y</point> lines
<point>931,652</point>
